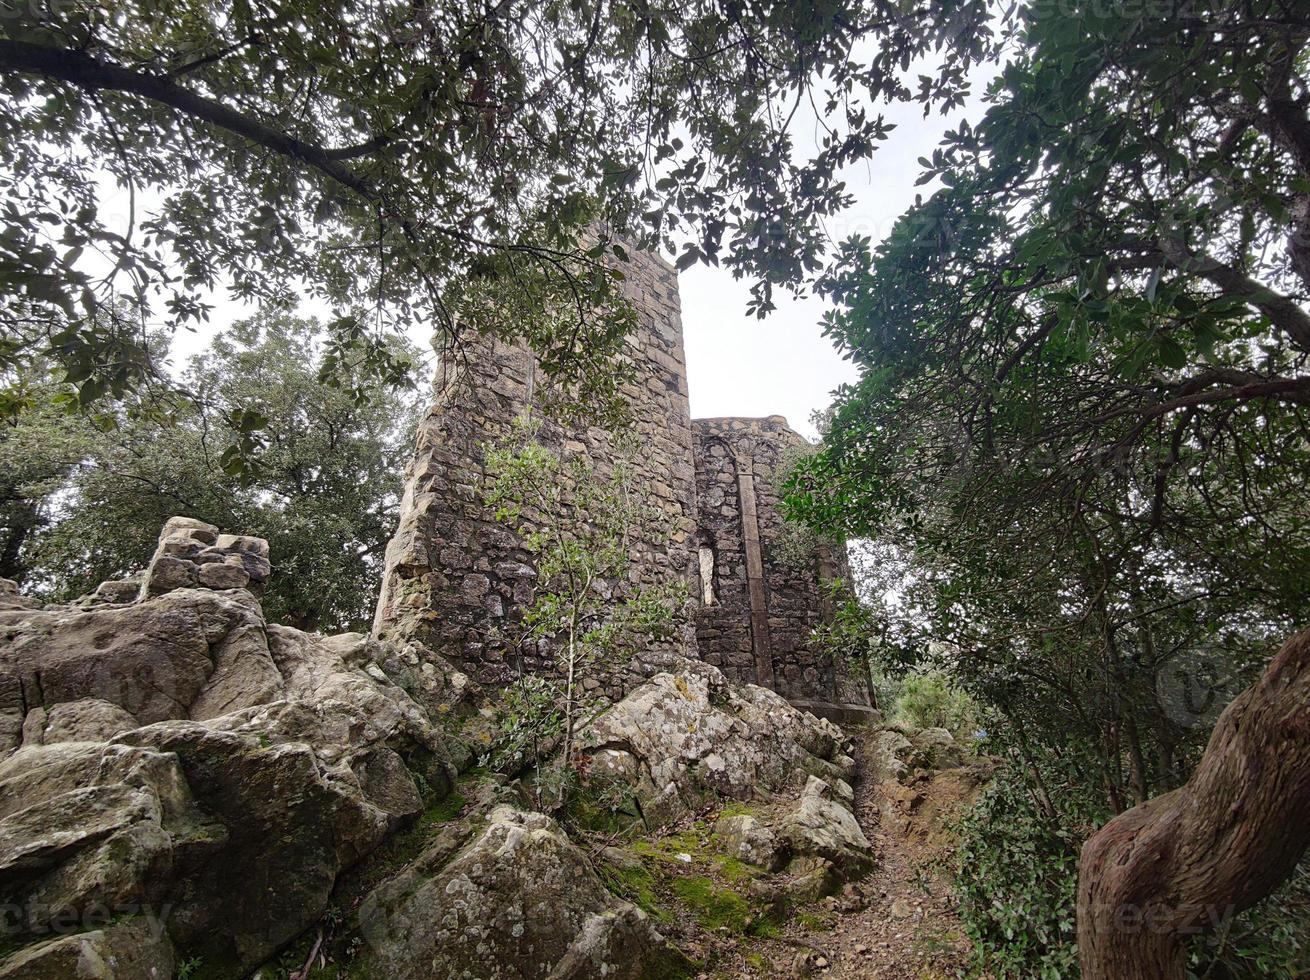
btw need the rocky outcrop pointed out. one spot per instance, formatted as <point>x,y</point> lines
<point>239,831</point>
<point>685,738</point>
<point>182,781</point>
<point>176,754</point>
<point>746,837</point>
<point>84,720</point>
<point>826,846</point>
<point>136,949</point>
<point>898,750</point>
<point>518,902</point>
<point>189,654</point>
<point>814,838</point>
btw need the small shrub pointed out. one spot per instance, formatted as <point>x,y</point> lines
<point>529,725</point>
<point>1015,878</point>
<point>928,699</point>
<point>602,802</point>
<point>585,611</point>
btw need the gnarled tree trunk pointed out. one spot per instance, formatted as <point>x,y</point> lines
<point>1181,864</point>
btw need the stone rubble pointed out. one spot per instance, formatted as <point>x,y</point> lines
<point>687,737</point>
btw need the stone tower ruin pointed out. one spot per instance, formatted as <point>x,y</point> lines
<point>453,573</point>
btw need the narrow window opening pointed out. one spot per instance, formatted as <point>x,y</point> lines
<point>707,574</point>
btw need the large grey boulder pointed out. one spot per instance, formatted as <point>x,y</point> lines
<point>813,837</point>
<point>347,670</point>
<point>519,902</point>
<point>889,754</point>
<point>936,748</point>
<point>239,836</point>
<point>87,827</point>
<point>282,827</point>
<point>239,840</point>
<point>188,654</point>
<point>239,825</point>
<point>135,949</point>
<point>684,738</point>
<point>821,825</point>
<point>177,753</point>
<point>896,751</point>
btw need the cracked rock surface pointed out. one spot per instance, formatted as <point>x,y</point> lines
<point>689,736</point>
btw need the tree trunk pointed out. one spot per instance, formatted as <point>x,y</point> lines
<point>1184,863</point>
<point>568,715</point>
<point>24,518</point>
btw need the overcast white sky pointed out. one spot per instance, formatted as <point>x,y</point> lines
<point>736,364</point>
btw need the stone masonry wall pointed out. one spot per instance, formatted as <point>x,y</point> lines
<point>453,574</point>
<point>766,583</point>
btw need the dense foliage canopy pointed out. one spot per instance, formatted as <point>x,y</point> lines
<point>461,164</point>
<point>1083,359</point>
<point>82,505</point>
<point>1082,419</point>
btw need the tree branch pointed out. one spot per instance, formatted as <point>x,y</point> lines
<point>1287,389</point>
<point>1291,127</point>
<point>1285,313</point>
<point>210,59</point>
<point>360,150</point>
<point>84,71</point>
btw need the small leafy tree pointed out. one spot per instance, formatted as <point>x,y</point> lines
<point>81,504</point>
<point>853,636</point>
<point>929,699</point>
<point>578,522</point>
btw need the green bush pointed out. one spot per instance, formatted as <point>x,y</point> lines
<point>928,699</point>
<point>1015,878</point>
